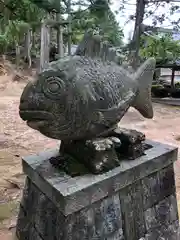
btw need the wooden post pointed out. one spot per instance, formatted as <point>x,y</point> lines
<point>28,46</point>
<point>17,47</point>
<point>45,44</point>
<point>60,37</point>
<point>172,79</point>
<point>69,26</point>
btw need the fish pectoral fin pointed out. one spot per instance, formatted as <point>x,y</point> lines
<point>111,115</point>
<point>124,103</point>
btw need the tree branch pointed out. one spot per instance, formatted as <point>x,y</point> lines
<point>158,1</point>
<point>152,12</point>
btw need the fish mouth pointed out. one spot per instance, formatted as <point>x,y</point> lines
<point>33,115</point>
<point>36,119</point>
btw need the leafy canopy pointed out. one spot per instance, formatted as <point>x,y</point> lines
<point>163,48</point>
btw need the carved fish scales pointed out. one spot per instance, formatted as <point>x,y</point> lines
<point>84,96</point>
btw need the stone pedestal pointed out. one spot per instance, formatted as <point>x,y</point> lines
<point>134,201</point>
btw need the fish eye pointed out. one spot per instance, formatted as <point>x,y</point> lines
<point>53,87</point>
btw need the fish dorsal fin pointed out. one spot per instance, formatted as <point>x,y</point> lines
<point>93,46</point>
<point>90,45</point>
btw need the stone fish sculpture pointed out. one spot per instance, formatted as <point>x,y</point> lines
<point>80,99</point>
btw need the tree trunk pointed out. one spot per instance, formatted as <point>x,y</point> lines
<point>140,10</point>
<point>17,54</point>
<point>45,45</point>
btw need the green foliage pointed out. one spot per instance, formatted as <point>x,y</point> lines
<point>97,17</point>
<point>16,20</point>
<point>99,8</point>
<point>12,34</point>
<point>15,30</point>
<point>164,48</point>
<point>22,13</point>
<point>22,10</point>
<point>3,42</point>
<point>19,16</point>
<point>48,5</point>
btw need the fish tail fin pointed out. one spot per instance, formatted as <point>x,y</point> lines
<point>144,77</point>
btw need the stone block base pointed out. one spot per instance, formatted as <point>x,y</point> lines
<point>134,201</point>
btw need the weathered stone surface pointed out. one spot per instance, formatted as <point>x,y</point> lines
<point>108,216</point>
<point>157,186</point>
<point>34,235</point>
<point>150,218</point>
<point>162,220</point>
<point>164,233</point>
<point>23,225</point>
<point>81,226</point>
<point>166,210</point>
<point>166,181</point>
<point>163,213</point>
<point>151,190</point>
<point>173,208</point>
<point>117,236</point>
<point>99,221</point>
<point>132,211</point>
<point>82,191</point>
<point>45,217</point>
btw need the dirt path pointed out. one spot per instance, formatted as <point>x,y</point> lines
<point>16,140</point>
